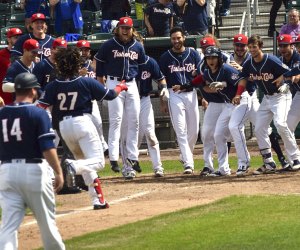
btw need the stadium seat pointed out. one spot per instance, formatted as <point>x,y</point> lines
<point>97,16</point>
<point>16,19</point>
<point>96,27</point>
<point>16,9</point>
<point>100,36</point>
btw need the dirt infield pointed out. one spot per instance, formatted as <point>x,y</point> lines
<point>147,196</point>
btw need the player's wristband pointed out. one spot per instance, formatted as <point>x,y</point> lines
<point>240,90</point>
<point>198,80</point>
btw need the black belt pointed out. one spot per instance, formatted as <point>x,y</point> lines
<point>120,79</point>
<point>32,160</point>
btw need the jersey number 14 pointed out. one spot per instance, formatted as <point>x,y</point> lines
<point>15,130</point>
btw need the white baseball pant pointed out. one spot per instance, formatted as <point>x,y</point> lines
<point>21,185</point>
<point>97,120</point>
<point>127,104</point>
<point>147,129</point>
<point>184,113</point>
<point>221,136</point>
<point>211,116</point>
<point>81,137</point>
<point>276,107</point>
<point>293,117</point>
<point>246,110</point>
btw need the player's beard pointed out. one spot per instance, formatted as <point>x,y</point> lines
<point>177,47</point>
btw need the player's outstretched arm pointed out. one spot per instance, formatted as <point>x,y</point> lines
<point>52,158</point>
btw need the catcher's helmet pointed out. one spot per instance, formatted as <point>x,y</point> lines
<point>26,81</point>
<point>212,51</point>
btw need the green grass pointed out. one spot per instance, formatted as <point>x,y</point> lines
<point>251,222</point>
<point>174,166</point>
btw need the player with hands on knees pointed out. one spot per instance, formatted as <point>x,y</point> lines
<point>28,156</point>
<point>71,95</point>
<point>275,104</point>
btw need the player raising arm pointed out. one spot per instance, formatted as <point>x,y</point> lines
<point>71,97</point>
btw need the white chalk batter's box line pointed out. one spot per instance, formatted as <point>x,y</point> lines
<point>130,197</point>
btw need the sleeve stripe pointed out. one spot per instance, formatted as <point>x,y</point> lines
<point>46,135</point>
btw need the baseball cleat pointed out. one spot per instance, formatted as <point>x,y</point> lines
<point>267,168</point>
<point>188,170</point>
<point>159,173</point>
<point>101,206</point>
<point>242,171</point>
<point>128,174</point>
<point>296,165</point>
<point>115,167</point>
<point>206,171</point>
<point>219,174</point>
<point>284,163</point>
<point>135,165</point>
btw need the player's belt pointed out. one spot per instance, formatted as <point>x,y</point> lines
<point>30,160</point>
<point>71,116</point>
<point>115,78</point>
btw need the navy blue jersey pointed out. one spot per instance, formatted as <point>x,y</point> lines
<point>44,72</point>
<point>17,67</point>
<point>264,72</point>
<point>45,45</point>
<point>26,132</point>
<point>293,62</point>
<point>73,97</point>
<point>159,18</point>
<point>227,74</point>
<point>120,60</point>
<point>148,71</point>
<point>178,68</point>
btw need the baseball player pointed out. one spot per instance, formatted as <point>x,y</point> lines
<point>88,70</point>
<point>264,69</point>
<point>212,104</point>
<point>12,36</point>
<point>178,65</point>
<point>292,59</point>
<point>247,110</point>
<point>119,59</point>
<point>148,72</point>
<point>71,95</point>
<point>27,154</point>
<point>45,72</point>
<point>39,28</point>
<point>25,64</point>
<point>222,79</point>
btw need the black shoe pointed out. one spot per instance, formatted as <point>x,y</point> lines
<point>68,190</point>
<point>283,162</point>
<point>135,165</point>
<point>206,171</point>
<point>115,167</point>
<point>97,207</point>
